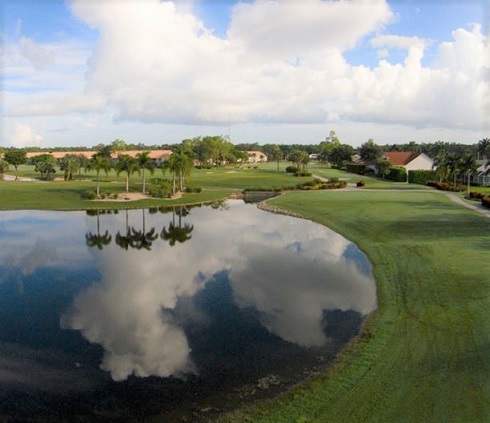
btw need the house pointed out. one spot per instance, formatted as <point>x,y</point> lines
<point>482,176</point>
<point>158,156</point>
<point>256,157</point>
<point>409,160</point>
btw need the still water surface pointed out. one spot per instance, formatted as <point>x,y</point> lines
<point>177,313</point>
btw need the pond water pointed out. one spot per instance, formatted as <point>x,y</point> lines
<point>177,313</point>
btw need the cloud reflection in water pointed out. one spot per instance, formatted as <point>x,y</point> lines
<point>290,270</point>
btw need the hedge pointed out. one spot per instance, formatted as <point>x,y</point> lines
<point>421,177</point>
<point>397,174</point>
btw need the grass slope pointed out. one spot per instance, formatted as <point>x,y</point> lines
<point>424,356</point>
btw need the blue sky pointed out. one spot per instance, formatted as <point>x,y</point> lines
<point>82,72</point>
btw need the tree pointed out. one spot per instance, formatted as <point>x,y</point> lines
<point>127,164</point>
<point>483,148</point>
<point>145,163</point>
<point>69,164</point>
<point>300,158</point>
<point>15,157</point>
<point>179,165</point>
<point>340,154</point>
<point>118,145</point>
<point>383,166</point>
<point>4,166</point>
<point>98,163</point>
<point>370,151</point>
<point>274,153</point>
<point>45,165</point>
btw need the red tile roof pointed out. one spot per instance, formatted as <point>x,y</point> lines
<point>400,158</point>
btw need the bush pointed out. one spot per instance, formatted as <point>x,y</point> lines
<point>421,177</point>
<point>361,183</point>
<point>397,174</point>
<point>476,195</point>
<point>303,174</point>
<point>89,195</point>
<point>486,201</point>
<point>291,169</point>
<point>446,186</point>
<point>360,169</point>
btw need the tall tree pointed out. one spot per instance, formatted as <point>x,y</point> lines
<point>145,163</point>
<point>98,163</point>
<point>127,164</point>
<point>69,164</point>
<point>15,157</point>
<point>370,151</point>
<point>45,165</point>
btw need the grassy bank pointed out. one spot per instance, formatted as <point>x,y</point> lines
<point>424,355</point>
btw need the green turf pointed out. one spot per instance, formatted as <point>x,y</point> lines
<point>424,356</point>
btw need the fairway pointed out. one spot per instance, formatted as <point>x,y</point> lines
<point>424,356</point>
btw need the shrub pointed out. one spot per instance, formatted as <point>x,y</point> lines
<point>486,201</point>
<point>361,183</point>
<point>291,169</point>
<point>360,169</point>
<point>89,195</point>
<point>397,174</point>
<point>476,195</point>
<point>303,174</point>
<point>445,186</point>
<point>421,177</point>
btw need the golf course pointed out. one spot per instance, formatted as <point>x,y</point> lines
<point>424,355</point>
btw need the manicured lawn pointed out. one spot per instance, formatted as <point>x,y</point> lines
<point>424,356</point>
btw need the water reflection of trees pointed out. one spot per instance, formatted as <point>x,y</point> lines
<point>143,238</point>
<point>97,239</point>
<point>177,232</point>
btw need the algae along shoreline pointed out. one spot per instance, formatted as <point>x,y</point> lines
<point>424,354</point>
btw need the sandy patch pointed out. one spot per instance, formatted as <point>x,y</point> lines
<point>135,196</point>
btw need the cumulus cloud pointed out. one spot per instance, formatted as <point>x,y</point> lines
<point>279,62</point>
<point>24,136</point>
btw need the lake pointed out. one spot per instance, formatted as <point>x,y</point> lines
<point>176,313</point>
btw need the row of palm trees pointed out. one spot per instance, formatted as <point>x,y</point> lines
<point>178,163</point>
<point>142,239</point>
<point>453,165</point>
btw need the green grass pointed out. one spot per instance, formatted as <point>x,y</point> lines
<point>424,356</point>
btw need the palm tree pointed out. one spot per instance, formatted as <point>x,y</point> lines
<point>129,165</point>
<point>97,240</point>
<point>98,163</point>
<point>145,163</point>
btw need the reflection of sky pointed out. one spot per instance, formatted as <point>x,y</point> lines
<point>288,269</point>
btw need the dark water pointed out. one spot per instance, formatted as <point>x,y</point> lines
<point>168,315</point>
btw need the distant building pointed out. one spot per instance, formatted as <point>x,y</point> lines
<point>158,156</point>
<point>256,157</point>
<point>409,160</point>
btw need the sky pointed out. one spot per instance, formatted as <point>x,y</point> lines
<point>84,72</point>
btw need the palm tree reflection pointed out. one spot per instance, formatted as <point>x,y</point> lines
<point>177,233</point>
<point>97,239</point>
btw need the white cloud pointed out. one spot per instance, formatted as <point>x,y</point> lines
<point>39,56</point>
<point>281,62</point>
<point>24,136</point>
